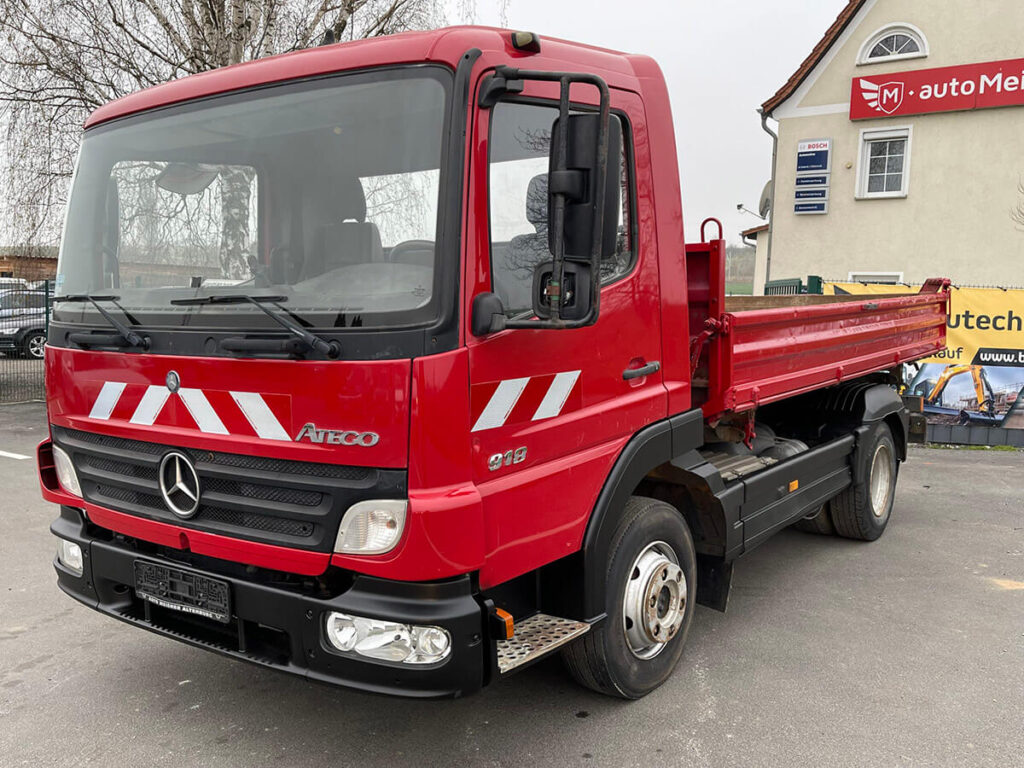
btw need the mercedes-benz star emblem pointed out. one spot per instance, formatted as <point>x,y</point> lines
<point>179,484</point>
<point>173,381</point>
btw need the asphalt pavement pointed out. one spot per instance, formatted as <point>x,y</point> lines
<point>905,652</point>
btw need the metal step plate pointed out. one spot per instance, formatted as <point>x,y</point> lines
<point>535,637</point>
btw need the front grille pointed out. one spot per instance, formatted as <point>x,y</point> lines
<point>292,503</point>
<point>228,517</point>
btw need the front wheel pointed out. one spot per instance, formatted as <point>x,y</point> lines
<point>651,589</point>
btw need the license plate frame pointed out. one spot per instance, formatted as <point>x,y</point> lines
<point>183,590</point>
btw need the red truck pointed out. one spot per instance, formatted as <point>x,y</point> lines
<point>386,364</point>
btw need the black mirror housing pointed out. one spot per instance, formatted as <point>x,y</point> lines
<point>579,183</point>
<point>488,314</point>
<point>577,290</point>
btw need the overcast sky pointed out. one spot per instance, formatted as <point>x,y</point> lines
<point>722,60</point>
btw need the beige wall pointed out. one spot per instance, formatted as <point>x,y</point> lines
<point>964,167</point>
<point>760,263</point>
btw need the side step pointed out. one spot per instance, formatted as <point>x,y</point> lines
<point>535,637</point>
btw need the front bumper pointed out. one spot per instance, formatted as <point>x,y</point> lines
<point>282,629</point>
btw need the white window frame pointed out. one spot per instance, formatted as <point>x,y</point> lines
<point>852,277</point>
<point>893,29</point>
<point>868,135</point>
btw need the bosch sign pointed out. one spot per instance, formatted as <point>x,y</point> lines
<point>948,89</point>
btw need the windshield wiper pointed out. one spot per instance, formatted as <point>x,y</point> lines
<point>329,348</point>
<point>124,333</point>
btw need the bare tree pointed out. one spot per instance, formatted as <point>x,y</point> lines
<point>61,59</point>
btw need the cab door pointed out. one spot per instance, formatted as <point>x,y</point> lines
<point>552,409</point>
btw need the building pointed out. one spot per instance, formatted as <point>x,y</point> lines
<point>900,149</point>
<point>29,263</point>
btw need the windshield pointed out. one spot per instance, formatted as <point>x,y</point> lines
<point>324,194</point>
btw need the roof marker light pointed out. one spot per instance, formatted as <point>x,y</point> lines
<point>527,42</point>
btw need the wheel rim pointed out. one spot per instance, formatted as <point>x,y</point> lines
<point>881,479</point>
<point>37,346</point>
<point>654,603</point>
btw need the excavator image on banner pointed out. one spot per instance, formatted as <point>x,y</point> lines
<point>932,391</point>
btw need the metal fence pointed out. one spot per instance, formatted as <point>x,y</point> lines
<point>26,298</point>
<point>793,286</point>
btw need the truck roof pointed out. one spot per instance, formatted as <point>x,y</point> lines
<point>445,46</point>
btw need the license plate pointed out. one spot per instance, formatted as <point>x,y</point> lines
<point>183,590</point>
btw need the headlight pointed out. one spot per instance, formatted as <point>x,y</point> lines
<point>66,472</point>
<point>387,640</point>
<point>69,555</point>
<point>371,527</point>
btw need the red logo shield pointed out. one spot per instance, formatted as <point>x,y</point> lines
<point>885,98</point>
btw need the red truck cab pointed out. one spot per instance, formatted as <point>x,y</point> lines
<point>385,363</point>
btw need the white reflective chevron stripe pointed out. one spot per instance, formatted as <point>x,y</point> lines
<point>555,397</point>
<point>107,399</point>
<point>262,419</point>
<point>201,410</point>
<point>500,405</point>
<point>150,406</point>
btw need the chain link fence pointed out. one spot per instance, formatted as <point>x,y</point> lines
<point>26,300</point>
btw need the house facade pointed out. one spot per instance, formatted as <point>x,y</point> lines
<point>901,148</point>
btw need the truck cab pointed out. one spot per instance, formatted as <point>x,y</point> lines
<point>369,362</point>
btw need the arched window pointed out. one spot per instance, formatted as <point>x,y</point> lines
<point>895,41</point>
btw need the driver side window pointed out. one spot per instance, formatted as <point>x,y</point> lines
<point>518,197</point>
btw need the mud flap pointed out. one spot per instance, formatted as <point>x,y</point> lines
<point>714,580</point>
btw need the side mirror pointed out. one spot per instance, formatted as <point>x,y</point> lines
<point>584,168</point>
<point>577,289</point>
<point>488,314</point>
<point>580,183</point>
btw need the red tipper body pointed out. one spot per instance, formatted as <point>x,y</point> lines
<point>501,443</point>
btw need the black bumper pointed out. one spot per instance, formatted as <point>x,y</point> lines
<point>282,629</point>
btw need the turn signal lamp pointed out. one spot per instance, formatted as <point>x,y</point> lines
<point>507,623</point>
<point>66,472</point>
<point>371,527</point>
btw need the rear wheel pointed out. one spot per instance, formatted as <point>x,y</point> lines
<point>34,345</point>
<point>650,587</point>
<point>863,510</point>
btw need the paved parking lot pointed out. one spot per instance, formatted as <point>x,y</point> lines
<point>905,652</point>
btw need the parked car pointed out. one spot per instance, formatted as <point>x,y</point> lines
<point>23,323</point>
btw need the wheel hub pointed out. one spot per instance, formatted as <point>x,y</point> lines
<point>654,603</point>
<point>37,346</point>
<point>881,481</point>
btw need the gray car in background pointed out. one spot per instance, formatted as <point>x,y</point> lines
<point>23,322</point>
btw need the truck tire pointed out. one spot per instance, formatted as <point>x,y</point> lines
<point>820,522</point>
<point>651,588</point>
<point>862,511</point>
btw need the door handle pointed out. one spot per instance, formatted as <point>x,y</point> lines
<point>639,373</point>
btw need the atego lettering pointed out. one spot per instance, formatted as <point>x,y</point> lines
<point>336,436</point>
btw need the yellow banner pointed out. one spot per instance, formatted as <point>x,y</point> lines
<point>985,326</point>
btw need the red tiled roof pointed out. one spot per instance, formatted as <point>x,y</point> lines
<point>833,33</point>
